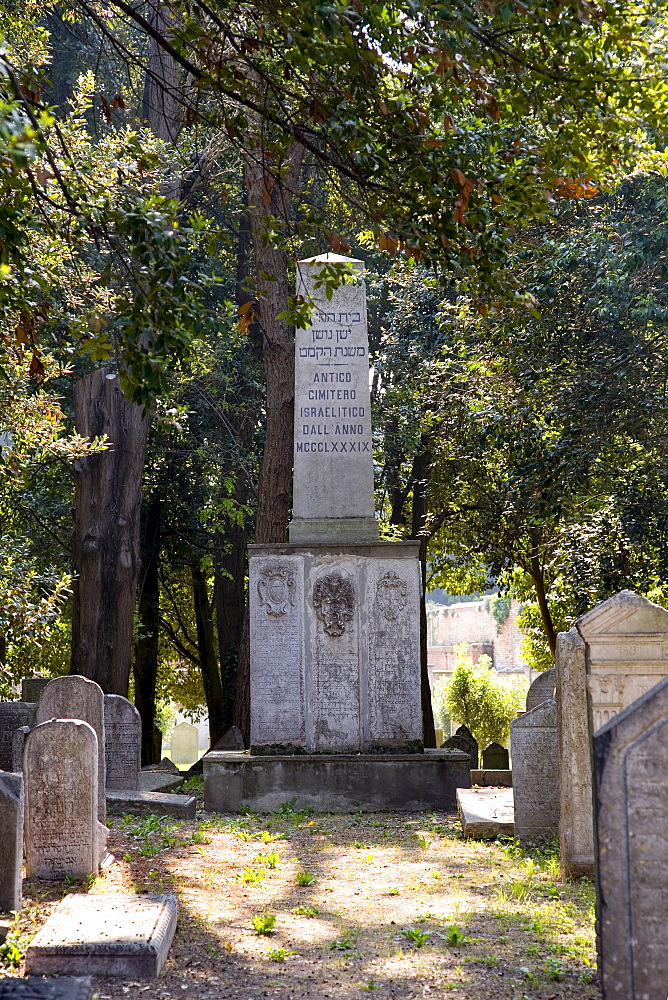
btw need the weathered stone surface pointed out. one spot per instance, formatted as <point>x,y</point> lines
<point>60,775</point>
<point>533,740</point>
<point>105,935</point>
<point>335,782</point>
<point>122,733</point>
<point>184,743</point>
<point>159,781</point>
<point>18,745</point>
<point>13,715</point>
<point>333,479</point>
<point>542,688</point>
<point>494,779</point>
<point>624,654</point>
<point>120,802</point>
<point>631,802</point>
<point>495,758</point>
<point>11,841</point>
<point>60,988</point>
<point>5,927</point>
<point>485,813</point>
<point>164,765</point>
<point>335,648</point>
<point>232,740</point>
<point>32,687</point>
<point>75,697</point>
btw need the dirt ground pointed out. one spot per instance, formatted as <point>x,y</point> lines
<point>391,902</point>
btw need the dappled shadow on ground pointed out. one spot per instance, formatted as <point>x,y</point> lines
<point>395,904</point>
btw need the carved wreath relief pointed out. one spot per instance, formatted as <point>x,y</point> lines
<point>391,595</point>
<point>276,589</point>
<point>334,602</point>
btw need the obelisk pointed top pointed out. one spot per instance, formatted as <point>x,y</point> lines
<point>331,258</point>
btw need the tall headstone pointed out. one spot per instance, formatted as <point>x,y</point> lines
<point>333,480</point>
<point>533,742</point>
<point>76,697</point>
<point>542,688</point>
<point>335,645</point>
<point>18,744</point>
<point>122,734</point>
<point>11,841</point>
<point>631,805</point>
<point>61,786</point>
<point>468,745</point>
<point>184,743</point>
<point>613,655</point>
<point>13,715</point>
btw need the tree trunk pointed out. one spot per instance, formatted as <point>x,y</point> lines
<point>270,193</point>
<point>105,539</point>
<point>206,649</point>
<point>229,598</point>
<point>538,577</point>
<point>160,103</point>
<point>420,469</point>
<point>148,612</point>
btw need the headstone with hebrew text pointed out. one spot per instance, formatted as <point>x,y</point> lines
<point>11,841</point>
<point>122,734</point>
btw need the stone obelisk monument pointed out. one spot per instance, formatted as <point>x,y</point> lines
<point>336,717</point>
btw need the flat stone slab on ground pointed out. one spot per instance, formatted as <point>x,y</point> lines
<point>486,813</point>
<point>159,781</point>
<point>61,988</point>
<point>120,802</point>
<point>105,935</point>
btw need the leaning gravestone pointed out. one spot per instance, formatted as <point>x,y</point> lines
<point>18,745</point>
<point>11,841</point>
<point>105,935</point>
<point>76,697</point>
<point>533,741</point>
<point>542,688</point>
<point>61,988</point>
<point>60,774</point>
<point>122,734</point>
<point>613,655</point>
<point>631,804</point>
<point>184,743</point>
<point>13,715</point>
<point>495,758</point>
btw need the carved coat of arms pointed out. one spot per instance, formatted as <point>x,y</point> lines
<point>391,595</point>
<point>276,590</point>
<point>334,602</point>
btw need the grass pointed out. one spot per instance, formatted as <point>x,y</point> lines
<point>263,923</point>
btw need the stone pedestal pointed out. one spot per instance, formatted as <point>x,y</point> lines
<point>335,782</point>
<point>335,648</point>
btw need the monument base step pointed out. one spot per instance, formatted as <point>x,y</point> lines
<point>61,988</point>
<point>486,813</point>
<point>490,778</point>
<point>334,782</point>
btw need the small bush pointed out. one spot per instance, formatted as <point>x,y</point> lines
<point>263,923</point>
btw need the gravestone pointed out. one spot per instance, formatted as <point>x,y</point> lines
<point>122,734</point>
<point>232,740</point>
<point>32,687</point>
<point>184,743</point>
<point>468,746</point>
<point>485,813</point>
<point>495,758</point>
<point>542,688</point>
<point>60,988</point>
<point>13,715</point>
<point>60,778</point>
<point>631,805</point>
<point>111,934</point>
<point>613,655</point>
<point>11,841</point>
<point>18,744</point>
<point>533,742</point>
<point>76,697</point>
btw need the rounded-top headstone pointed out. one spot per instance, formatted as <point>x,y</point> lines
<point>495,758</point>
<point>122,734</point>
<point>60,777</point>
<point>76,697</point>
<point>541,689</point>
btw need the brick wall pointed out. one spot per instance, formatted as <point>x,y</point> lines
<point>473,623</point>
